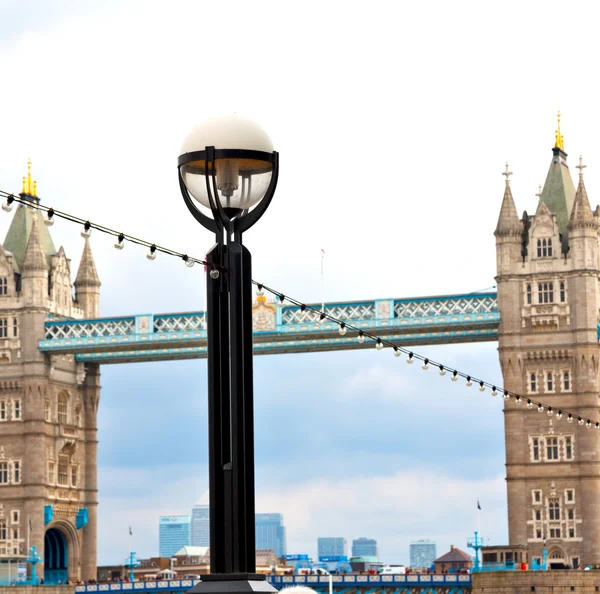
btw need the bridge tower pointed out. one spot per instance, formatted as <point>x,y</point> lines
<point>548,274</point>
<point>48,405</point>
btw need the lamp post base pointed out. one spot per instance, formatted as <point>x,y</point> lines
<point>233,583</point>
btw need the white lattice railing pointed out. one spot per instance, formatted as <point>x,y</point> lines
<point>361,311</point>
<point>90,329</point>
<point>179,323</point>
<point>445,307</point>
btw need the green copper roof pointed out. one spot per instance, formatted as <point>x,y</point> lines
<point>559,192</point>
<point>18,234</point>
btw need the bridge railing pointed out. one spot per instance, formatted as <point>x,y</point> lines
<point>358,581</point>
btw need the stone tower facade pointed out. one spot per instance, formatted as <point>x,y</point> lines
<point>48,405</point>
<point>548,274</point>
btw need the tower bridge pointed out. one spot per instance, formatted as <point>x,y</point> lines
<point>544,317</point>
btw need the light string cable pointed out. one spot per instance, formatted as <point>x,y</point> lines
<point>320,316</point>
<point>87,225</point>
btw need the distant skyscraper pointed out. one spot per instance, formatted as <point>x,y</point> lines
<point>422,553</point>
<point>174,532</point>
<point>364,547</point>
<point>201,522</point>
<point>331,546</point>
<point>270,533</point>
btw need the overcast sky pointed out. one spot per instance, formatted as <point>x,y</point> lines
<point>393,121</point>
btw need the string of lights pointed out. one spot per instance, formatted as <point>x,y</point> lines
<point>320,315</point>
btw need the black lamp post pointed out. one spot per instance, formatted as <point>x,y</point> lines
<point>228,169</point>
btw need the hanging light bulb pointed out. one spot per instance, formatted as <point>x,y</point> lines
<point>151,255</point>
<point>425,365</point>
<point>570,418</point>
<point>281,298</point>
<point>120,242</point>
<point>302,306</point>
<point>550,412</point>
<point>50,220</point>
<point>506,396</point>
<point>442,370</point>
<point>410,359</point>
<point>454,377</point>
<point>588,424</point>
<point>559,415</point>
<point>87,229</point>
<point>469,382</point>
<point>188,262</point>
<point>360,337</point>
<point>342,329</point>
<point>494,392</point>
<point>321,318</point>
<point>580,421</point>
<point>529,404</point>
<point>481,387</point>
<point>214,274</point>
<point>540,408</point>
<point>597,425</point>
<point>518,399</point>
<point>379,344</point>
<point>7,206</point>
<point>397,352</point>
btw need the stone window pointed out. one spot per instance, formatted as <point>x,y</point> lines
<point>3,410</point>
<point>571,514</point>
<point>549,381</point>
<point>544,248</point>
<point>532,382</point>
<point>563,291</point>
<point>17,409</point>
<point>538,533</point>
<point>569,495</point>
<point>3,473</point>
<point>571,532</point>
<point>3,285</point>
<point>529,296</point>
<point>553,510</point>
<point>566,380</point>
<point>535,448</point>
<point>3,328</point>
<point>569,453</point>
<point>51,476</point>
<point>16,472</point>
<point>63,408</point>
<point>3,532</point>
<point>15,328</point>
<point>554,532</point>
<point>538,515</point>
<point>545,292</point>
<point>15,534</point>
<point>14,516</point>
<point>537,496</point>
<point>63,471</point>
<point>73,476</point>
<point>552,448</point>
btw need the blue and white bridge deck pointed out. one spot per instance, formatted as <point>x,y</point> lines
<point>342,584</point>
<point>472,317</point>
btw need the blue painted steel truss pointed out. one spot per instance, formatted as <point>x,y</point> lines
<point>279,329</point>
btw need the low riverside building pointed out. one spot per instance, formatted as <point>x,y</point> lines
<point>454,561</point>
<point>515,556</point>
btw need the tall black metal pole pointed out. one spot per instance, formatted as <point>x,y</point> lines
<point>231,411</point>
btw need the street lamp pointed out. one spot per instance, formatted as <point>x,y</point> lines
<point>228,174</point>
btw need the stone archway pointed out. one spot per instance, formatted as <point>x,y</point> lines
<point>557,558</point>
<point>62,556</point>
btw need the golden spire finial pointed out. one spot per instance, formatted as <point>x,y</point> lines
<point>559,141</point>
<point>29,186</point>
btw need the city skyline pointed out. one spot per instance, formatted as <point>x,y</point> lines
<point>334,431</point>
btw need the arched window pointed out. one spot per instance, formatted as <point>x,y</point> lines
<point>563,295</point>
<point>552,451</point>
<point>63,408</point>
<point>556,555</point>
<point>532,382</point>
<point>539,248</point>
<point>3,285</point>
<point>553,510</point>
<point>528,294</point>
<point>549,248</point>
<point>549,381</point>
<point>3,530</point>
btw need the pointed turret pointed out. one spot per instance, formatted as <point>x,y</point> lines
<point>34,258</point>
<point>581,215</point>
<point>87,284</point>
<point>508,221</point>
<point>559,192</point>
<point>34,270</point>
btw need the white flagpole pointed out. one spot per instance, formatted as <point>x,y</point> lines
<point>322,281</point>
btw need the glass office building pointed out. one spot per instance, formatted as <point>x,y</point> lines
<point>364,547</point>
<point>422,553</point>
<point>174,532</point>
<point>270,533</point>
<point>331,546</point>
<point>200,525</point>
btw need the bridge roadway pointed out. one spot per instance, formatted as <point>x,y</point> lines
<point>342,584</point>
<point>472,317</point>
